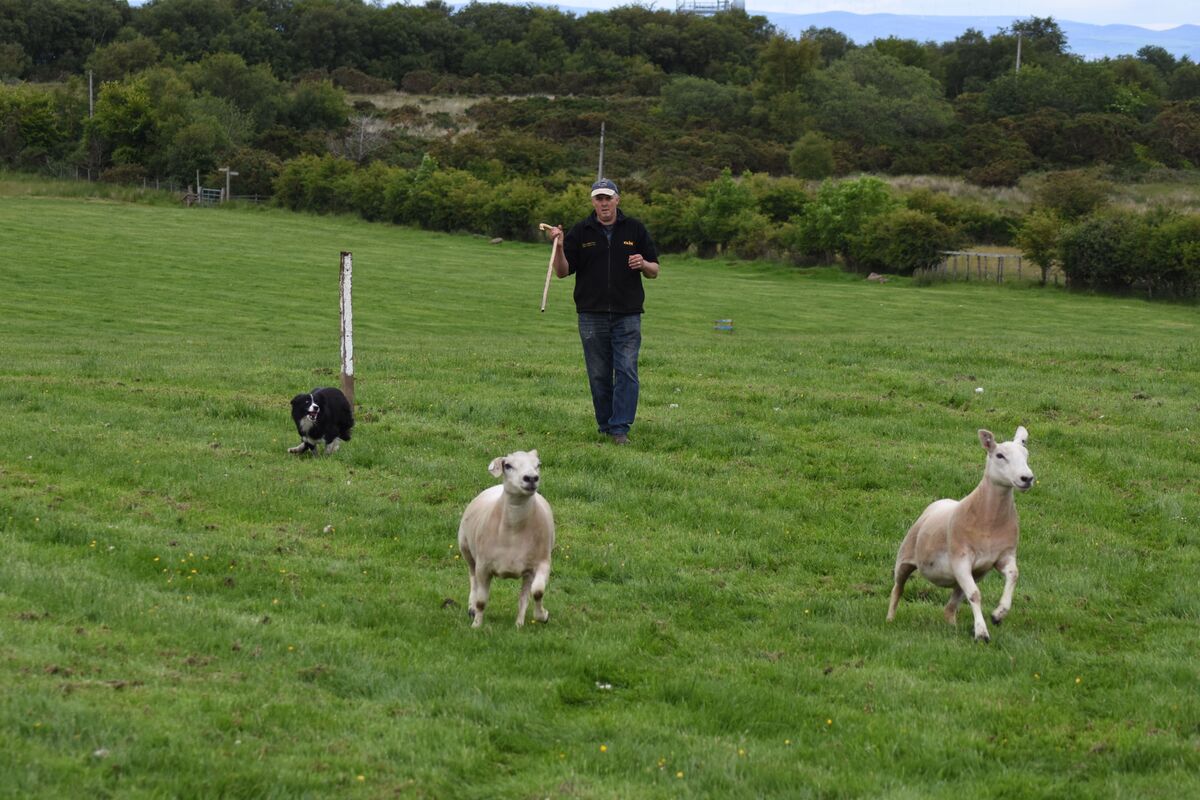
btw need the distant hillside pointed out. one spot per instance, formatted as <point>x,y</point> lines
<point>1089,41</point>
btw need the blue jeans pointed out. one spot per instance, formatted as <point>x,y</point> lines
<point>610,351</point>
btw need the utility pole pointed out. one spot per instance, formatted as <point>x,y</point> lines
<point>600,170</point>
<point>91,101</point>
<point>1018,51</point>
<point>228,174</point>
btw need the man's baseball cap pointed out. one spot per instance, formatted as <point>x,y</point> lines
<point>604,186</point>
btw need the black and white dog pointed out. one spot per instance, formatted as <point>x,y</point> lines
<point>323,417</point>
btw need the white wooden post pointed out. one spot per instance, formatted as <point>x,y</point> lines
<point>345,283</point>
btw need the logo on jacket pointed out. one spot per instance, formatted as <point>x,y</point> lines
<point>588,244</point>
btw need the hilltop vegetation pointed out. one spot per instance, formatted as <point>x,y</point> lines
<point>299,99</point>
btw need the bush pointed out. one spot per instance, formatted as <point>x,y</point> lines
<point>1001,172</point>
<point>837,216</point>
<point>726,212</point>
<point>1172,265</point>
<point>419,81</point>
<point>667,220</point>
<point>1073,194</point>
<point>691,100</point>
<point>779,199</point>
<point>367,191</point>
<point>812,157</point>
<point>1104,251</point>
<point>511,209</point>
<point>902,240</point>
<point>124,173</point>
<point>975,221</point>
<point>352,80</point>
<point>312,183</point>
<point>446,199</point>
<point>566,207</point>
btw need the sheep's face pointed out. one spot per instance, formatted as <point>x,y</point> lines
<point>1008,462</point>
<point>521,472</point>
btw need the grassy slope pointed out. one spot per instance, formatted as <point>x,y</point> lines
<point>176,621</point>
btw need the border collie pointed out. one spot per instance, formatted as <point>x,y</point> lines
<point>322,417</point>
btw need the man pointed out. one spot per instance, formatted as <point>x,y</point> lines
<point>609,253</point>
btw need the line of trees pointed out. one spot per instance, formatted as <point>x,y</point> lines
<point>265,87</point>
<point>690,94</point>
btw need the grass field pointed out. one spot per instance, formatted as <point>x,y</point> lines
<point>188,611</point>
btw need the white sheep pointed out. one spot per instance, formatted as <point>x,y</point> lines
<point>507,531</point>
<point>956,542</point>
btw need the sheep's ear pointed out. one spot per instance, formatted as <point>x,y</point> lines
<point>1021,436</point>
<point>496,467</point>
<point>533,453</point>
<point>987,440</point>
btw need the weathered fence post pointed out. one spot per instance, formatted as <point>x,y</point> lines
<point>345,284</point>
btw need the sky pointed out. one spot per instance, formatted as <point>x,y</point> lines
<point>1158,14</point>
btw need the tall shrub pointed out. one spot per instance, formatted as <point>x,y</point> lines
<point>902,240</point>
<point>725,213</point>
<point>1104,251</point>
<point>838,215</point>
<point>1173,258</point>
<point>1038,239</point>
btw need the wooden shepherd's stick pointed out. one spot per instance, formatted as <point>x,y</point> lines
<point>550,269</point>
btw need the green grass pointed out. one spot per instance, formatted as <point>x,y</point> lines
<point>188,611</point>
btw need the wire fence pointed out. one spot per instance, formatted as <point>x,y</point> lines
<point>189,194</point>
<point>974,265</point>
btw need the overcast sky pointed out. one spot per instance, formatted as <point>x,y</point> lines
<point>1147,13</point>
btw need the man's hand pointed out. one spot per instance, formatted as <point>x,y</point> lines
<point>648,268</point>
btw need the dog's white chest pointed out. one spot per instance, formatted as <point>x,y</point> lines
<point>306,425</point>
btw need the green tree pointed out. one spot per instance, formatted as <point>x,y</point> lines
<point>1105,251</point>
<point>691,100</point>
<point>873,101</point>
<point>782,65</point>
<point>838,215</point>
<point>185,28</point>
<point>30,131</point>
<point>832,44</point>
<point>316,104</point>
<point>1184,83</point>
<point>253,89</point>
<point>13,60</point>
<point>1073,194</point>
<point>812,156</point>
<point>1172,260</point>
<point>1159,58</point>
<point>901,240</point>
<point>725,213</point>
<point>1038,239</point>
<point>113,62</point>
<point>124,123</point>
<point>1042,39</point>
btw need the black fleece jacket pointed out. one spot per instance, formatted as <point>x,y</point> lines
<point>603,280</point>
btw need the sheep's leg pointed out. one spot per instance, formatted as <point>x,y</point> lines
<point>903,570</point>
<point>966,583</point>
<point>523,603</point>
<point>951,609</point>
<point>540,578</point>
<point>1007,566</point>
<point>471,574</point>
<point>483,590</point>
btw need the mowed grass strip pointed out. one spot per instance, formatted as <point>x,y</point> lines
<point>187,610</point>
